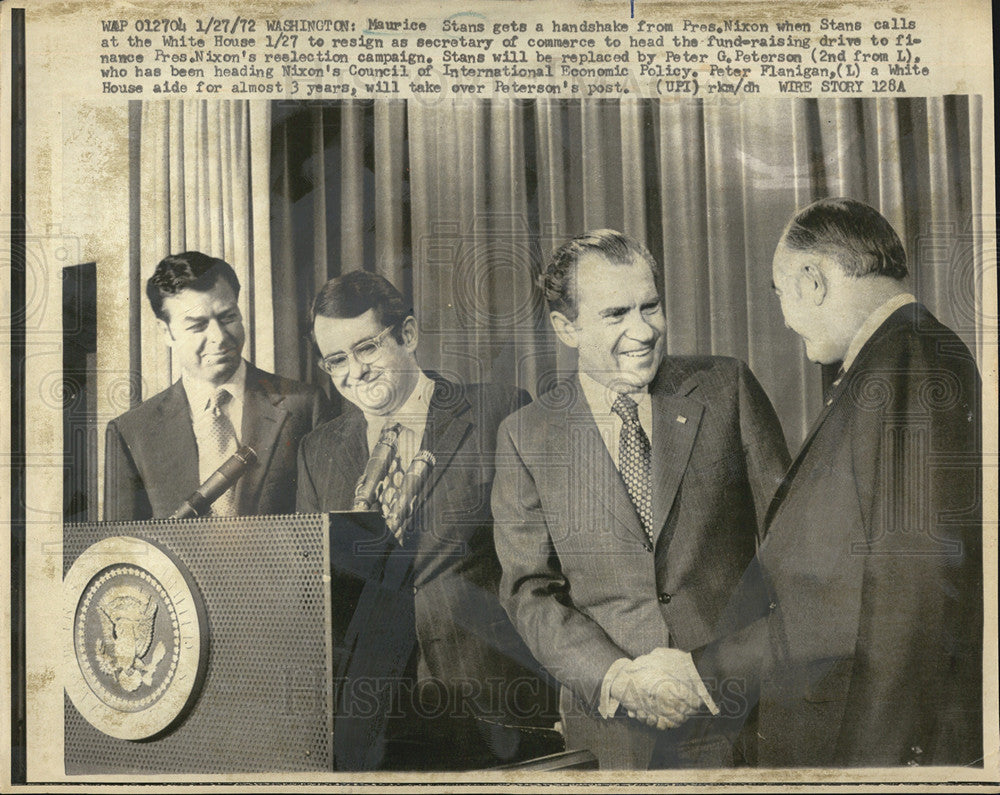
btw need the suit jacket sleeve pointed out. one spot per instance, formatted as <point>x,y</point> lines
<point>915,691</point>
<point>125,496</point>
<point>306,498</point>
<point>533,590</point>
<point>766,454</point>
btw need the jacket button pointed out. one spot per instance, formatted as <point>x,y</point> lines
<point>772,607</point>
<point>665,598</point>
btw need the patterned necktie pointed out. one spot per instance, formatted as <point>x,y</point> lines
<point>388,489</point>
<point>635,460</point>
<point>218,443</point>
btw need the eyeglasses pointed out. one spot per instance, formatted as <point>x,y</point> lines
<point>364,352</point>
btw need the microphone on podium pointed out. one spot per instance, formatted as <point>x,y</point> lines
<point>413,483</point>
<point>217,484</point>
<point>366,489</point>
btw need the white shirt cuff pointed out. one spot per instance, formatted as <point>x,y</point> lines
<point>695,678</point>
<point>608,706</point>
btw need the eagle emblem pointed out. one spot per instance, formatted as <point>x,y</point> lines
<point>127,618</point>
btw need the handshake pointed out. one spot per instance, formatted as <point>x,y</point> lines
<point>661,688</point>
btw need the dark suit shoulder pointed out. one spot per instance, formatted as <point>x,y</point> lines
<point>279,385</point>
<point>493,402</point>
<point>677,371</point>
<point>327,433</point>
<point>139,419</point>
<point>913,333</point>
<point>914,363</point>
<point>551,405</point>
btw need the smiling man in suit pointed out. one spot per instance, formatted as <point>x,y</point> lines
<point>868,651</point>
<point>628,503</point>
<point>470,668</point>
<point>158,453</point>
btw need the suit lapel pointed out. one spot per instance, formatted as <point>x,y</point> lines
<point>263,416</point>
<point>348,455</point>
<point>448,423</point>
<point>175,432</point>
<point>786,482</point>
<point>676,419</point>
<point>591,469</point>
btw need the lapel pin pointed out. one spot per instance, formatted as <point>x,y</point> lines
<point>681,419</point>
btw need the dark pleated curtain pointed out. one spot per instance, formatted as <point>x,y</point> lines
<point>460,203</point>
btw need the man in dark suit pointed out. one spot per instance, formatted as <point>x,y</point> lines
<point>866,649</point>
<point>158,453</point>
<point>628,503</point>
<point>469,662</point>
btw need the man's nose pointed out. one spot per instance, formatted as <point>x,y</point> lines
<point>355,369</point>
<point>640,328</point>
<point>216,332</point>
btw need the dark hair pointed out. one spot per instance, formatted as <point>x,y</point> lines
<point>190,270</point>
<point>559,280</point>
<point>856,235</point>
<point>354,293</point>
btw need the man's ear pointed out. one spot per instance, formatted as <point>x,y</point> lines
<point>410,333</point>
<point>814,283</point>
<point>168,338</point>
<point>565,329</point>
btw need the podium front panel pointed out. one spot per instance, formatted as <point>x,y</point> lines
<point>263,700</point>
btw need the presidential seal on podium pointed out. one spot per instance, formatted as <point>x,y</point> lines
<point>136,638</point>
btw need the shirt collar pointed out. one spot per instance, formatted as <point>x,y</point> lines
<point>872,324</point>
<point>601,398</point>
<point>199,392</point>
<point>412,414</point>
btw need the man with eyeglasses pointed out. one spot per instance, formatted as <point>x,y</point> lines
<point>472,677</point>
<point>158,453</point>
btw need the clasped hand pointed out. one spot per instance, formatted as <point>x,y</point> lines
<point>658,688</point>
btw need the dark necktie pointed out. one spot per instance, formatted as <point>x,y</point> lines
<point>635,460</point>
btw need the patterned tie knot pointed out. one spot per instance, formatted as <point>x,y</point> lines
<point>626,408</point>
<point>218,400</point>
